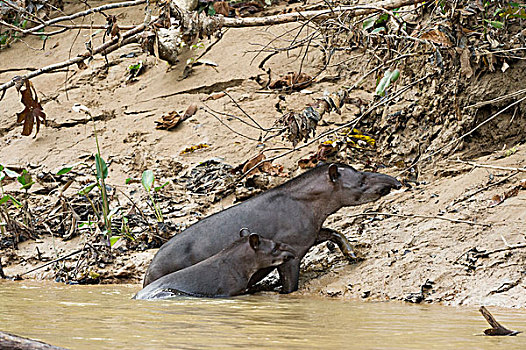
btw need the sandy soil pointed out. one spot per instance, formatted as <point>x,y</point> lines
<point>411,258</point>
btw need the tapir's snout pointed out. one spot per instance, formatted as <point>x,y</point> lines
<point>383,184</point>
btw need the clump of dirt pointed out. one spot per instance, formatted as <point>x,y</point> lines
<point>443,106</point>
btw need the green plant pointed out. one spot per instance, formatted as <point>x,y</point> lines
<point>101,173</point>
<point>388,78</point>
<point>148,181</point>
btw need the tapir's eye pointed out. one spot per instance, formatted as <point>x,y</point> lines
<point>274,249</point>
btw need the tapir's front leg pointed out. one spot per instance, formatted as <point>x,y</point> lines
<point>289,273</point>
<point>328,234</point>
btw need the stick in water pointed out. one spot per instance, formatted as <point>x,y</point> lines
<point>496,328</point>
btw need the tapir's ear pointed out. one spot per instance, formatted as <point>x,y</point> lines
<point>333,172</point>
<point>244,232</point>
<point>253,239</point>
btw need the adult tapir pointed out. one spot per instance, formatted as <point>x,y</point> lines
<point>292,213</point>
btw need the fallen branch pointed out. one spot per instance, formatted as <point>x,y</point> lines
<point>84,13</point>
<point>421,216</point>
<point>507,248</point>
<point>112,45</point>
<point>14,342</point>
<point>350,11</point>
<point>498,99</point>
<point>52,262</point>
<point>491,166</point>
<point>496,328</point>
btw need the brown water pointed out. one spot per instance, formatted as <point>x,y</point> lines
<point>104,317</point>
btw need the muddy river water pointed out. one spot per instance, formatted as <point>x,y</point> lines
<point>104,317</point>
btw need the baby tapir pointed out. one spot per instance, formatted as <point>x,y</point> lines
<point>292,213</point>
<point>225,274</point>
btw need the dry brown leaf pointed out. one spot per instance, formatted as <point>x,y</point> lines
<point>438,37</point>
<point>190,111</point>
<point>325,150</point>
<point>33,110</point>
<point>215,96</point>
<point>249,164</point>
<point>222,8</point>
<point>465,65</point>
<point>498,199</point>
<point>265,167</point>
<point>173,119</point>
<point>292,80</point>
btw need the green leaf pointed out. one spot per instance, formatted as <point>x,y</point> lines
<point>8,197</point>
<point>11,173</point>
<point>67,169</point>
<point>147,180</point>
<point>2,175</point>
<point>211,10</point>
<point>369,22</point>
<point>25,180</point>
<point>495,24</point>
<point>378,30</point>
<point>383,84</point>
<point>102,168</point>
<point>383,18</point>
<point>87,189</point>
<point>387,79</point>
<point>114,239</point>
<point>395,75</point>
<point>158,188</point>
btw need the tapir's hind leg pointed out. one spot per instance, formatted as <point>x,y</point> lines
<point>328,234</point>
<point>289,273</point>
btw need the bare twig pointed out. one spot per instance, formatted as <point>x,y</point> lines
<point>505,249</point>
<point>85,13</point>
<point>53,261</point>
<point>354,11</point>
<point>421,216</point>
<point>467,196</point>
<point>476,165</point>
<point>495,100</point>
<point>127,38</point>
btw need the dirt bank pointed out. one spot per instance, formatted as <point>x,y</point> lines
<point>425,258</point>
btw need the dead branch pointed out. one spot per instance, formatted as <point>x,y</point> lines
<point>421,216</point>
<point>496,328</point>
<point>52,262</point>
<point>84,13</point>
<point>350,11</point>
<point>507,248</point>
<point>476,165</point>
<point>14,342</point>
<point>496,100</point>
<point>112,45</point>
<point>64,27</point>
